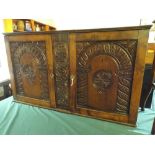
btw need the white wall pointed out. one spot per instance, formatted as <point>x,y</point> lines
<point>46,21</point>
<point>4,72</point>
<point>75,14</point>
<point>79,14</point>
<point>82,14</point>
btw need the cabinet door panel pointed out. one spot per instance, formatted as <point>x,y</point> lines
<point>31,69</point>
<point>103,74</point>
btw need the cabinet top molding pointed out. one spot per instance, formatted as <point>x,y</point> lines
<point>143,27</point>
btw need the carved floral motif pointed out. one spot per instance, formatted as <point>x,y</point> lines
<point>123,52</point>
<point>61,62</point>
<point>38,51</point>
<point>102,80</point>
<point>29,73</point>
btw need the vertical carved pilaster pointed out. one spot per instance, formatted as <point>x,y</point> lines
<point>61,68</point>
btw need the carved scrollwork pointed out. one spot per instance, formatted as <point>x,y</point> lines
<point>102,80</point>
<point>29,73</point>
<point>61,61</point>
<point>123,52</point>
<point>37,49</point>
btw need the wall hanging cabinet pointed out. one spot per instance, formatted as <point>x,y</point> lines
<point>96,73</point>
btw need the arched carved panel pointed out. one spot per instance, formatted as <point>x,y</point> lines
<point>122,53</point>
<point>30,69</point>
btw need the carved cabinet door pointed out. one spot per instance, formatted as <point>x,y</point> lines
<point>102,74</point>
<point>31,67</point>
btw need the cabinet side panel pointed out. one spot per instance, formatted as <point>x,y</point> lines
<point>138,74</point>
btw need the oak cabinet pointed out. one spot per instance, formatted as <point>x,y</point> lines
<point>104,73</point>
<point>31,66</point>
<point>96,73</point>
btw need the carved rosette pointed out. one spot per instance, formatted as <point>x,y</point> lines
<point>38,51</point>
<point>61,68</point>
<point>123,52</point>
<point>29,73</point>
<point>102,80</point>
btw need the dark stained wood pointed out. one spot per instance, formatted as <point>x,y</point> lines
<point>31,68</point>
<point>96,73</point>
<point>148,86</point>
<point>105,74</point>
<point>129,28</point>
<point>73,77</point>
<point>138,75</point>
<point>103,83</point>
<point>61,68</point>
